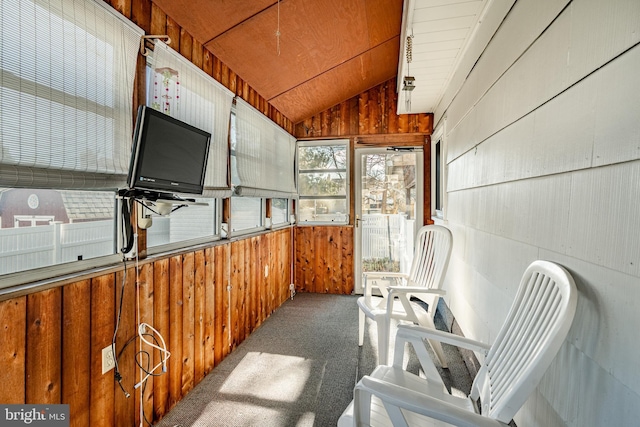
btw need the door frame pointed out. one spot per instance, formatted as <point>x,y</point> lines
<point>357,179</point>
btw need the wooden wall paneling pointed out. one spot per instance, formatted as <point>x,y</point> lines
<point>235,281</point>
<point>259,281</point>
<point>207,61</point>
<point>161,322</point>
<point>374,111</point>
<point>347,260</point>
<point>321,265</point>
<point>325,123</point>
<point>197,53</point>
<point>403,123</point>
<point>102,392</point>
<point>392,106</point>
<point>175,326</point>
<point>158,21</point>
<point>217,69</point>
<point>273,258</point>
<point>335,279</point>
<point>125,345</point>
<point>122,6</point>
<point>44,341</point>
<point>343,127</point>
<point>244,290</point>
<point>336,120</point>
<point>224,74</point>
<point>13,324</point>
<point>233,81</point>
<point>248,279</point>
<point>285,261</point>
<point>210,313</point>
<point>173,31</point>
<point>222,300</point>
<point>275,270</point>
<point>199,316</point>
<point>141,14</point>
<point>253,264</point>
<point>76,351</point>
<point>188,322</point>
<point>363,113</point>
<point>425,123</point>
<point>146,301</point>
<point>384,108</point>
<point>186,44</point>
<point>316,261</point>
<point>300,264</point>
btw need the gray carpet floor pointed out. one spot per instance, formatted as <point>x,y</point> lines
<point>297,369</point>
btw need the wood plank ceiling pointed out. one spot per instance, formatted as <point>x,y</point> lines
<point>327,51</point>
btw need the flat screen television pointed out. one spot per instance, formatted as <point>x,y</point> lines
<point>168,156</point>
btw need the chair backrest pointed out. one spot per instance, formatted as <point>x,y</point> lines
<point>532,334</point>
<point>431,256</point>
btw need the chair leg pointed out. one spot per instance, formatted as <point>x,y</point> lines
<point>437,346</point>
<point>361,318</point>
<point>383,341</point>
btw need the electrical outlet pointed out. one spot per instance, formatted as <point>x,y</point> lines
<point>266,271</point>
<point>108,361</point>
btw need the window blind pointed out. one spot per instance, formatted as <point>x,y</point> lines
<point>66,79</point>
<point>265,155</point>
<point>184,91</point>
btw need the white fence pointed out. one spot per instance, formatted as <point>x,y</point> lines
<point>387,237</point>
<point>32,247</point>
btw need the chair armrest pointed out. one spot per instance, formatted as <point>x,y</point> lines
<point>414,290</point>
<point>369,286</point>
<point>412,332</point>
<point>417,402</point>
<point>381,274</point>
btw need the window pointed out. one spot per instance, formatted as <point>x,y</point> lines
<point>279,212</point>
<point>262,167</point>
<point>323,180</point>
<point>247,213</point>
<point>45,227</point>
<point>438,166</point>
<point>438,172</point>
<point>66,86</point>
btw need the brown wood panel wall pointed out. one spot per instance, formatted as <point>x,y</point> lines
<point>372,112</point>
<point>324,259</point>
<point>52,340</point>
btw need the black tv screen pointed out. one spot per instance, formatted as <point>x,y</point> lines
<point>168,155</point>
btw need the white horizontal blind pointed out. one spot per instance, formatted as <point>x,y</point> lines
<point>66,82</point>
<point>265,155</point>
<point>202,102</point>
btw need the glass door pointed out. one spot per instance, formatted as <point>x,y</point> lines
<point>389,194</point>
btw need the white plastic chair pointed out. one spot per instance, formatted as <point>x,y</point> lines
<point>429,266</point>
<point>529,339</point>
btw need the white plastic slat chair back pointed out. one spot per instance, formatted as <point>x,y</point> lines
<point>530,338</point>
<point>431,257</point>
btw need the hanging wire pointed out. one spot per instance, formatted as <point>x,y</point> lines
<point>278,31</point>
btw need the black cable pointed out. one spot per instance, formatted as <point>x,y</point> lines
<point>127,205</point>
<point>116,374</point>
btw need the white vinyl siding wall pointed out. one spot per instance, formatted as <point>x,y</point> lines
<point>543,161</point>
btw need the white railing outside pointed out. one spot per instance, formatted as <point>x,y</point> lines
<point>26,248</point>
<point>388,237</point>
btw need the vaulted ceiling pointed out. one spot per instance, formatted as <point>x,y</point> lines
<point>305,56</point>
